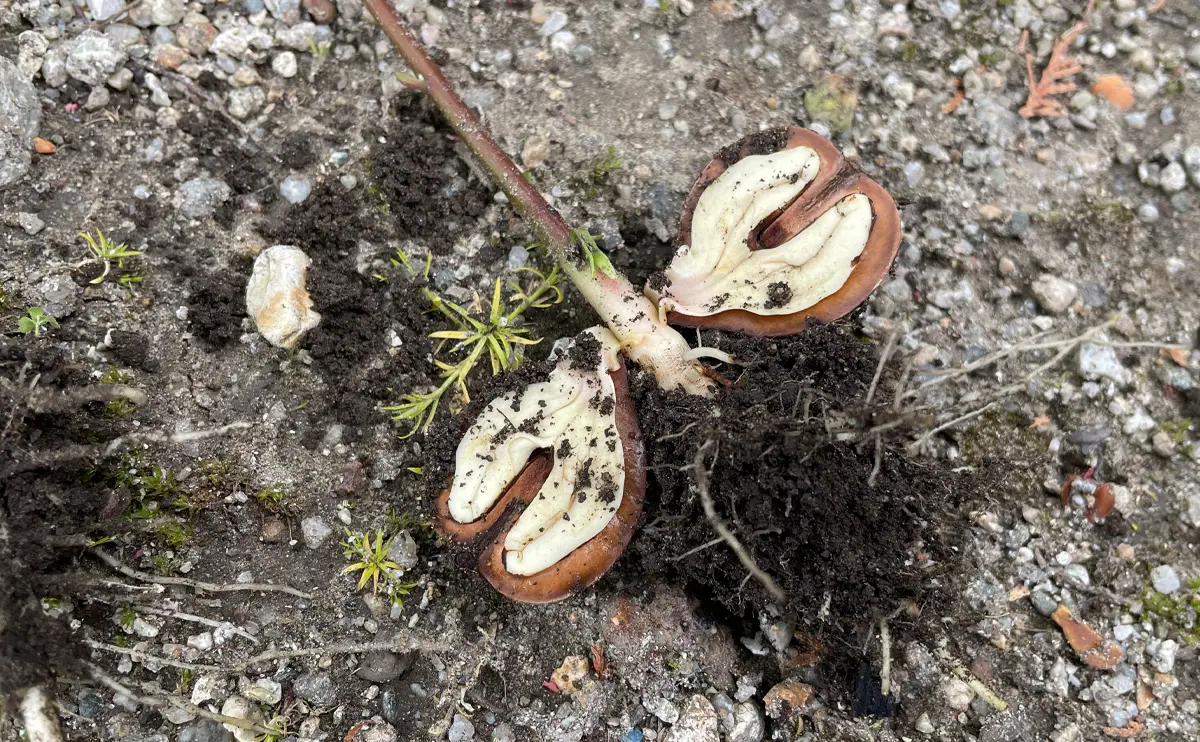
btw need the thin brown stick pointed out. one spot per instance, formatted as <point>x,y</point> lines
<point>960,419</point>
<point>197,585</point>
<point>878,461</point>
<point>723,531</point>
<point>883,359</point>
<point>521,193</point>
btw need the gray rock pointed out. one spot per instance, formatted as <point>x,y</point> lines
<point>264,690</point>
<point>20,113</point>
<point>303,36</point>
<point>1164,658</point>
<point>1054,294</point>
<point>924,725</point>
<point>555,22</point>
<point>316,688</point>
<point>199,198</point>
<point>503,733</point>
<point>178,716</point>
<point>663,709</point>
<point>93,56</point>
<point>60,295</point>
<point>30,222</point>
<point>295,188</point>
<point>461,729</point>
<point>1172,178</point>
<point>914,172</point>
<point>1042,602</point>
<point>1165,579</point>
<point>241,708</point>
<point>377,730</point>
<point>54,68</point>
<point>697,722</point>
<point>242,42</point>
<point>167,12</point>
<point>1148,213</point>
<point>98,98</point>
<point>315,532</point>
<point>287,11</point>
<point>748,723</point>
<point>285,64</point>
<point>31,48</point>
<point>1101,361</point>
<point>245,102</point>
<point>403,550</point>
<point>382,667</point>
<point>102,10</point>
<point>205,730</point>
<point>91,703</point>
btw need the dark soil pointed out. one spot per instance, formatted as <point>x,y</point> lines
<point>217,305</point>
<point>843,551</point>
<point>429,192</point>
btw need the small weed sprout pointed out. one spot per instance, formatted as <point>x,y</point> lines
<point>321,50</point>
<point>126,617</point>
<point>271,498</point>
<point>6,302</point>
<point>106,251</point>
<point>401,260</point>
<point>608,163</point>
<point>374,566</point>
<point>279,729</point>
<point>34,320</point>
<point>119,409</point>
<point>497,336</point>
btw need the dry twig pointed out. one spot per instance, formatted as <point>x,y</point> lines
<point>723,531</point>
<point>197,585</point>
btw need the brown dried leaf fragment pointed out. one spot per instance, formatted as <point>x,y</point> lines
<point>1098,653</point>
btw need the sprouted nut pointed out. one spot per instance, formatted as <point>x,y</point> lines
<point>575,418</point>
<point>776,235</point>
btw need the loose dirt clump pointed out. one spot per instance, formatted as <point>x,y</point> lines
<point>429,191</point>
<point>844,551</point>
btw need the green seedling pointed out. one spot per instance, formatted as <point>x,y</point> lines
<point>119,409</point>
<point>114,376</point>
<point>608,163</point>
<point>270,497</point>
<point>34,320</point>
<point>107,252</point>
<point>126,617</point>
<point>373,562</point>
<point>496,336</point>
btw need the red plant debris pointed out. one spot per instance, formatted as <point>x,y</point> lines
<point>1103,498</point>
<point>957,100</point>
<point>1129,732</point>
<point>598,662</point>
<point>1054,76</point>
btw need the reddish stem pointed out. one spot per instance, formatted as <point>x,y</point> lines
<point>521,193</point>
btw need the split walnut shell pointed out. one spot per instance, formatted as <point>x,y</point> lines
<point>779,233</point>
<point>568,447</point>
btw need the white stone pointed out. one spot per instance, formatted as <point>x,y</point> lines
<point>102,10</point>
<point>1053,293</point>
<point>276,296</point>
<point>285,64</point>
<point>241,708</point>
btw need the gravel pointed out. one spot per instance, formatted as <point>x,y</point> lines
<point>315,532</point>
<point>1054,294</point>
<point>316,687</point>
<point>20,113</point>
<point>1165,579</point>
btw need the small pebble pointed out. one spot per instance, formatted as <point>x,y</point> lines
<point>1165,579</point>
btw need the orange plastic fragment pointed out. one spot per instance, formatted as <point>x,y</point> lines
<point>957,100</point>
<point>43,146</point>
<point>1115,90</point>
